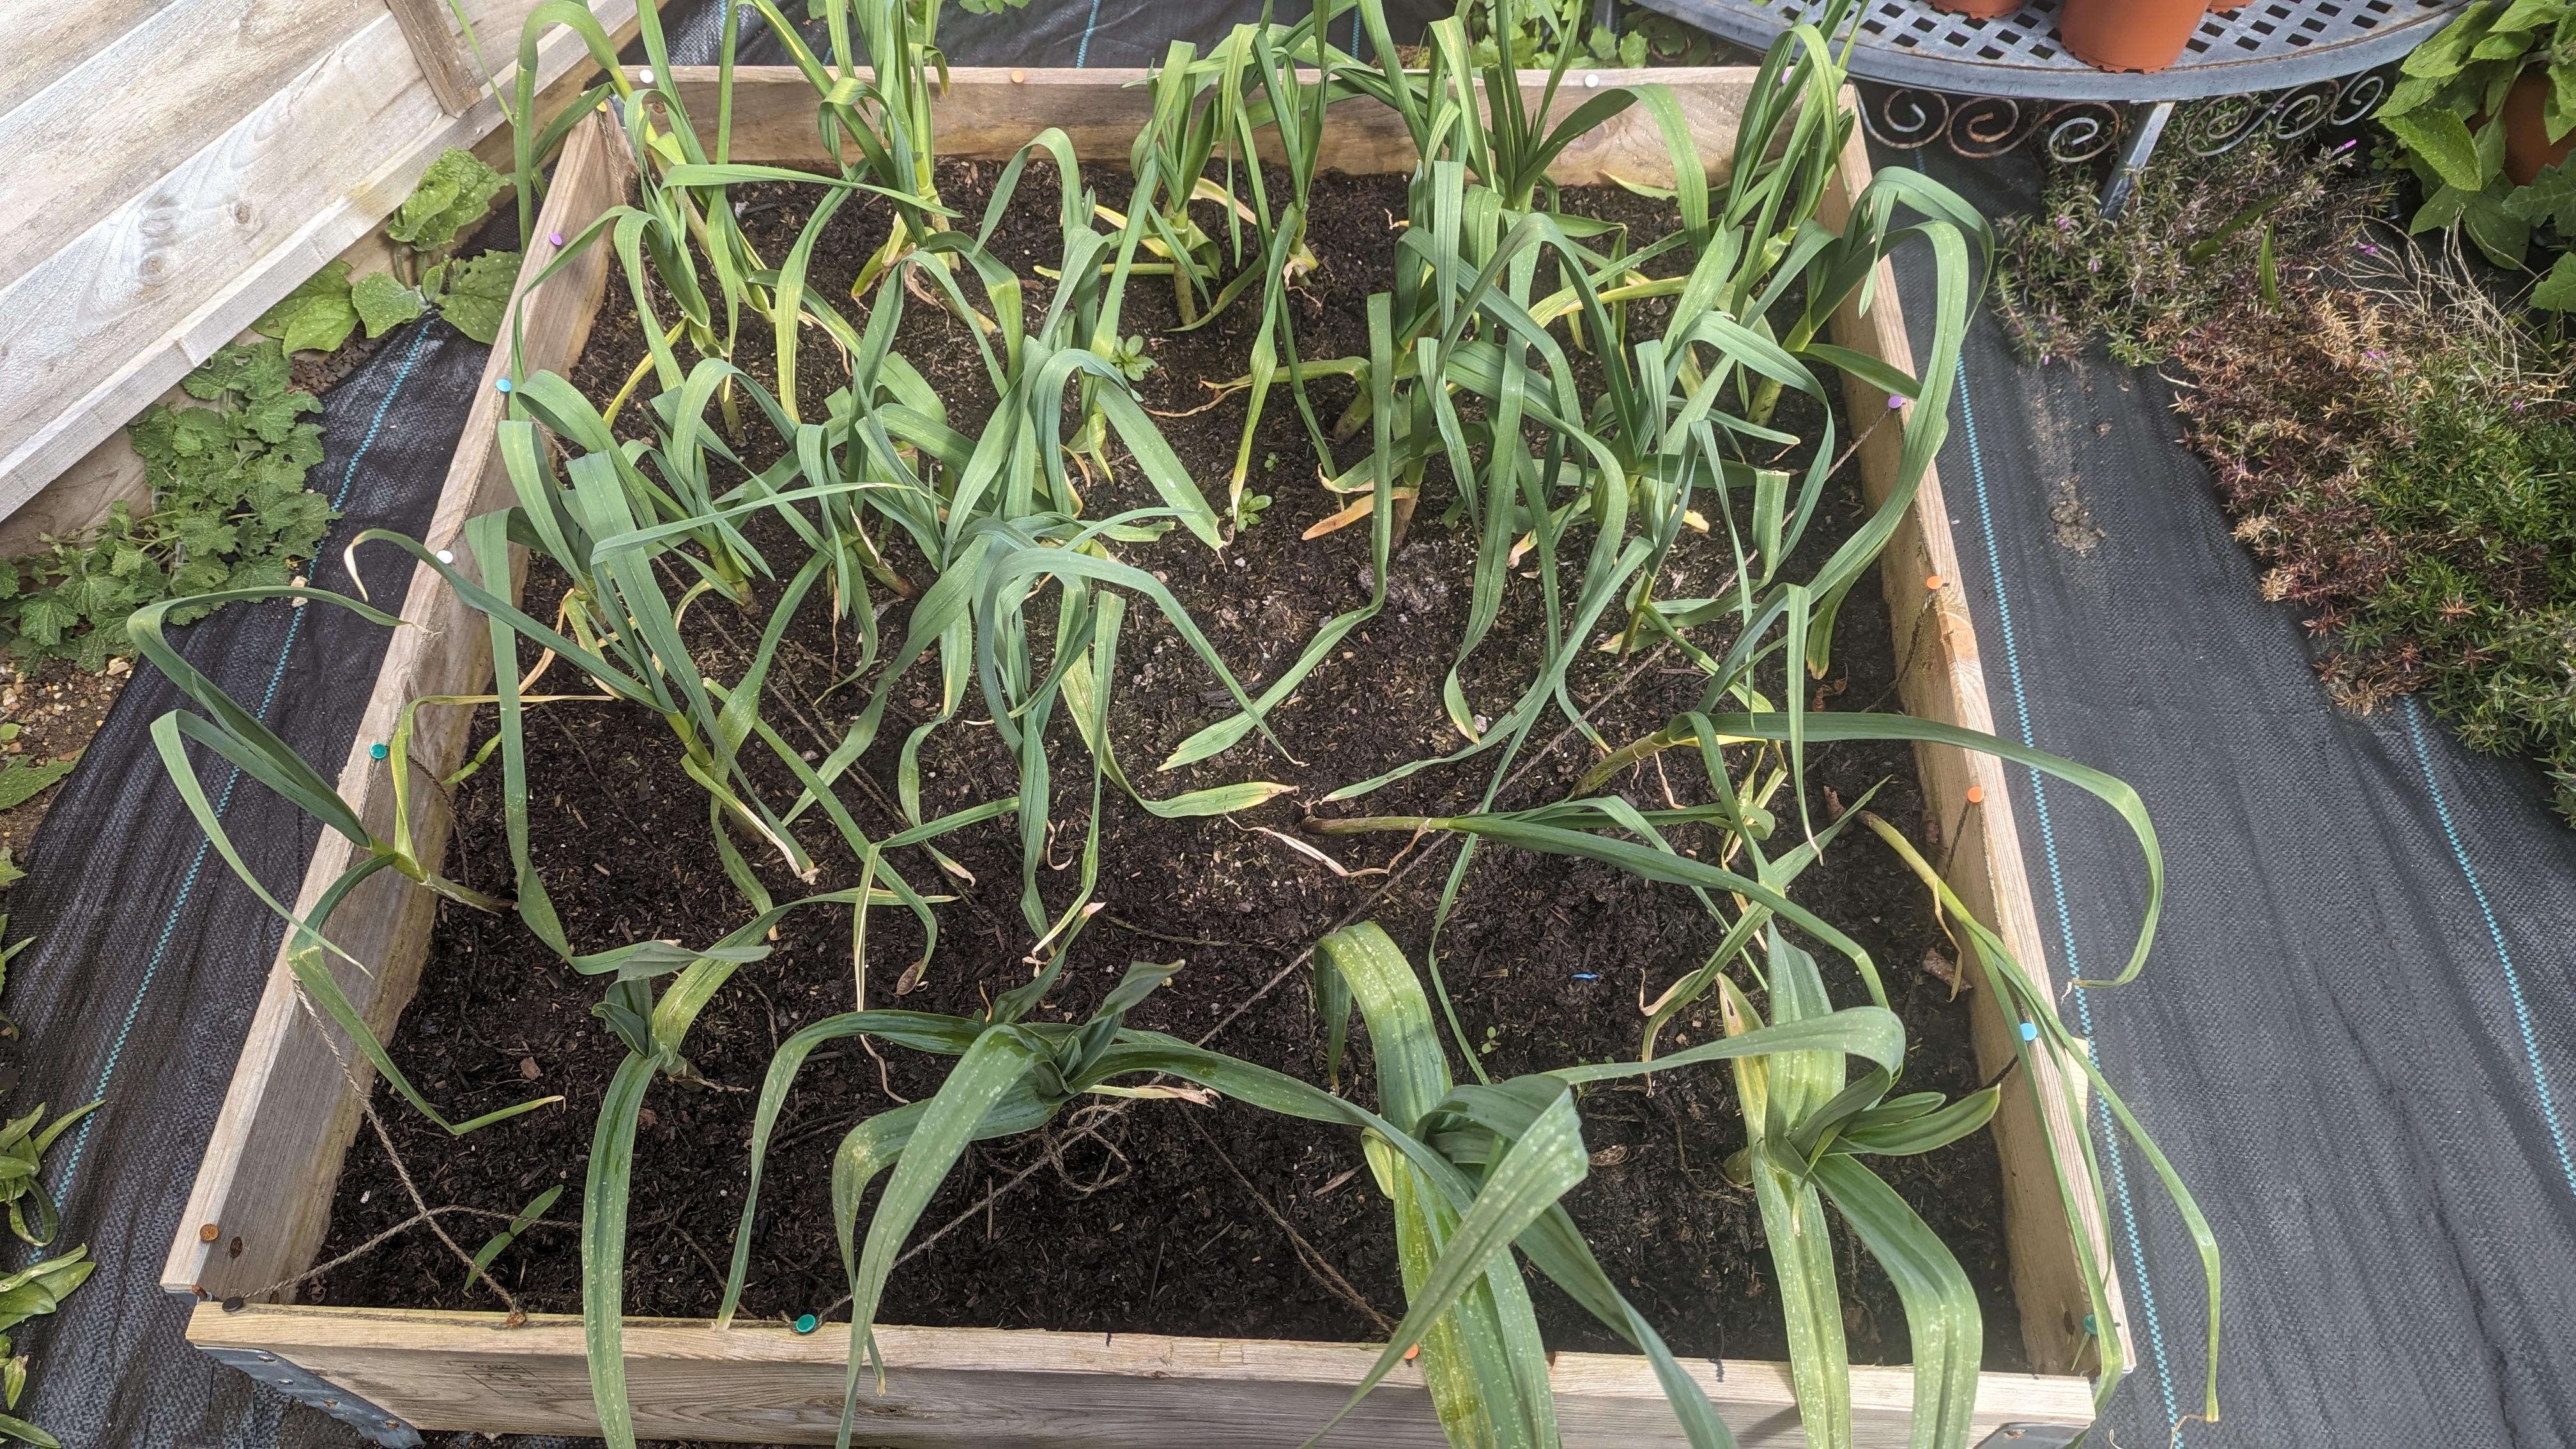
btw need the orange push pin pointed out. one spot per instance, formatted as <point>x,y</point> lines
<point>1976,794</point>
<point>1413,1353</point>
<point>1019,77</point>
<point>1932,581</point>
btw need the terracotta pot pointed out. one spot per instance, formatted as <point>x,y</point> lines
<point>2527,147</point>
<point>1978,9</point>
<point>2136,35</point>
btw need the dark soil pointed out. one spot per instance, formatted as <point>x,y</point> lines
<point>1149,1222</point>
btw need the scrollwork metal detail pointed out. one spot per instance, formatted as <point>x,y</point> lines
<point>1981,128</point>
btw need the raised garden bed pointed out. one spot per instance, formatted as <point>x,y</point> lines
<point>264,1201</point>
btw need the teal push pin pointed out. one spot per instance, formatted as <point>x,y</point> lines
<point>807,1323</point>
<point>377,752</point>
<point>502,383</point>
<point>2089,1325</point>
<point>2030,1031</point>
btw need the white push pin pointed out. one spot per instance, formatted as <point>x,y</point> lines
<point>446,557</point>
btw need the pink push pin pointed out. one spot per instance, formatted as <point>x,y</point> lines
<point>555,237</point>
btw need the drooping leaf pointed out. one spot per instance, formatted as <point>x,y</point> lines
<point>383,303</point>
<point>316,316</point>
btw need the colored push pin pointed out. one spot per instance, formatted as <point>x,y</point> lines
<point>502,383</point>
<point>807,1323</point>
<point>1895,400</point>
<point>1932,581</point>
<point>377,752</point>
<point>2030,1031</point>
<point>1976,794</point>
<point>554,238</point>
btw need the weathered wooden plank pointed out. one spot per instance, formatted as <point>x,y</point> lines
<point>286,1121</point>
<point>80,499</point>
<point>1941,677</point>
<point>38,55</point>
<point>994,1387</point>
<point>987,113</point>
<point>434,46</point>
<point>103,134</point>
<point>159,282</point>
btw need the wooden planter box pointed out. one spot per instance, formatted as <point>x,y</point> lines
<point>264,1191</point>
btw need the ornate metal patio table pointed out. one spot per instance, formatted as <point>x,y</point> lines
<point>1988,86</point>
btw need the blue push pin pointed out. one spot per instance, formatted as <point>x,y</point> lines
<point>807,1323</point>
<point>2029,1031</point>
<point>377,752</point>
<point>502,383</point>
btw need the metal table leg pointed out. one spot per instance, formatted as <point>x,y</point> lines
<point>2133,161</point>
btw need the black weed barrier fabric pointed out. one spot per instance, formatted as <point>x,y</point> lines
<point>149,957</point>
<point>2355,1036</point>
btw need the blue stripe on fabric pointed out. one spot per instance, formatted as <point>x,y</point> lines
<point>2495,933</point>
<point>1082,52</point>
<point>197,862</point>
<point>2119,1177</point>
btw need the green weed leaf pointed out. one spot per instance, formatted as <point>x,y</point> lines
<point>383,303</point>
<point>475,293</point>
<point>453,194</point>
